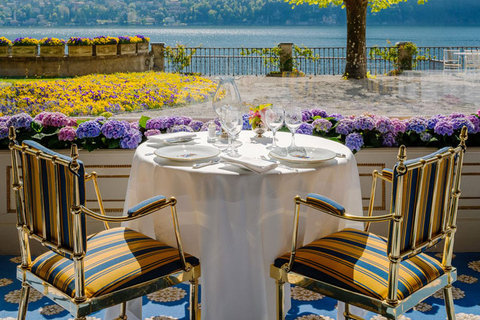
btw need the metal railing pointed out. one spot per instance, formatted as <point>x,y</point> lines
<point>327,61</point>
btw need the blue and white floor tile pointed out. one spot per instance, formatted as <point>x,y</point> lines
<point>172,303</point>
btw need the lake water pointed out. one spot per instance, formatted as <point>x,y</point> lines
<point>315,36</point>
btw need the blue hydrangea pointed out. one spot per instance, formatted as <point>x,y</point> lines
<point>318,113</point>
<point>196,125</point>
<point>431,122</point>
<point>322,125</point>
<point>416,124</point>
<point>246,122</point>
<point>306,115</point>
<point>444,128</point>
<point>3,131</point>
<point>384,125</point>
<point>345,126</point>
<point>88,129</point>
<point>475,121</point>
<point>354,141</point>
<point>425,136</point>
<point>114,129</point>
<point>21,120</point>
<point>131,139</point>
<point>388,140</point>
<point>305,128</point>
<point>363,123</point>
<point>179,128</point>
<point>458,123</point>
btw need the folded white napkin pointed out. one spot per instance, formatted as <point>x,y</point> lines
<point>169,137</point>
<point>255,164</point>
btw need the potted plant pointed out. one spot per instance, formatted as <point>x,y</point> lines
<point>25,47</point>
<point>80,47</point>
<point>128,45</point>
<point>52,47</point>
<point>5,44</point>
<point>105,46</point>
<point>142,44</point>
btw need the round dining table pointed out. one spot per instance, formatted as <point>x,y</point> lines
<point>237,221</point>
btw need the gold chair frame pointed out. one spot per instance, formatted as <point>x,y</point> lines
<point>80,305</point>
<point>391,307</point>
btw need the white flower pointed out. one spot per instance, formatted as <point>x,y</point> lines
<point>167,295</point>
<point>456,292</point>
<point>5,282</point>
<point>8,318</point>
<point>313,317</point>
<point>422,307</point>
<point>51,310</point>
<point>475,265</point>
<point>379,317</point>
<point>465,316</point>
<point>16,260</point>
<point>14,296</point>
<point>467,279</point>
<point>299,293</point>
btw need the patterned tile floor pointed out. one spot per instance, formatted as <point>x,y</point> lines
<point>172,303</point>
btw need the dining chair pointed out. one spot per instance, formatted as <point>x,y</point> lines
<point>451,60</point>
<point>472,61</point>
<point>81,273</point>
<point>386,275</point>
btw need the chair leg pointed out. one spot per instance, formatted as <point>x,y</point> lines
<point>348,315</point>
<point>22,308</point>
<point>194,311</point>
<point>449,306</point>
<point>280,299</point>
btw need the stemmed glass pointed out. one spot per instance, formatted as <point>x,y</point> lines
<point>232,123</point>
<point>293,120</point>
<point>274,117</point>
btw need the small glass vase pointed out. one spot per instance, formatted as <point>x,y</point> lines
<point>260,129</point>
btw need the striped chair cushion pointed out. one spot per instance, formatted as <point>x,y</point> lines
<point>356,260</point>
<point>116,259</point>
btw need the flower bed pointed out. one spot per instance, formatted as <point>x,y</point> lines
<point>96,94</point>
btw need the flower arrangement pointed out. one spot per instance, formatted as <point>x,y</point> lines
<point>135,39</point>
<point>256,113</point>
<point>51,42</point>
<point>27,41</point>
<point>102,40</point>
<point>79,41</point>
<point>4,42</point>
<point>142,38</point>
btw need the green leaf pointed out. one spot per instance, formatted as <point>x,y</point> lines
<point>113,143</point>
<point>143,122</point>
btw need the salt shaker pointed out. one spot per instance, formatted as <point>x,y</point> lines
<point>212,131</point>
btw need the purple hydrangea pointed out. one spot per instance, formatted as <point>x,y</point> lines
<point>431,122</point>
<point>196,125</point>
<point>417,124</point>
<point>4,119</point>
<point>425,136</point>
<point>306,115</point>
<point>3,131</point>
<point>52,119</point>
<point>363,123</point>
<point>179,128</point>
<point>384,125</point>
<point>246,123</point>
<point>456,115</point>
<point>21,120</point>
<point>114,129</point>
<point>67,134</point>
<point>162,123</point>
<point>318,113</point>
<point>131,139</point>
<point>475,121</point>
<point>444,128</point>
<point>218,128</point>
<point>458,123</point>
<point>322,125</point>
<point>152,132</point>
<point>354,141</point>
<point>88,129</point>
<point>345,126</point>
<point>305,128</point>
<point>72,122</point>
<point>399,126</point>
<point>388,140</point>
<point>336,116</point>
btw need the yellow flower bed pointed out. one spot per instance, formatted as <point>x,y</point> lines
<point>95,94</point>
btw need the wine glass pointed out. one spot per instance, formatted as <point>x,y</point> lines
<point>293,120</point>
<point>232,123</point>
<point>274,117</point>
<point>226,97</point>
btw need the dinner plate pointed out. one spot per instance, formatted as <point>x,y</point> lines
<point>187,152</point>
<point>314,155</point>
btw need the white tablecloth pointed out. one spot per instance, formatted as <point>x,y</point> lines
<point>236,221</point>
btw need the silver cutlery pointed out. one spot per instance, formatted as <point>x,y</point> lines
<point>204,164</point>
<point>280,165</point>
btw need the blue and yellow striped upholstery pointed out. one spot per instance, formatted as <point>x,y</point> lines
<point>47,210</point>
<point>116,258</point>
<point>431,205</point>
<point>356,260</point>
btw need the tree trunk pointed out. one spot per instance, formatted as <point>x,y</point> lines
<point>356,66</point>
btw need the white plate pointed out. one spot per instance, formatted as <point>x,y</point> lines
<point>314,155</point>
<point>187,152</point>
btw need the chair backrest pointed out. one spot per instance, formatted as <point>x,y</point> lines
<point>48,187</point>
<point>424,200</point>
<point>450,56</point>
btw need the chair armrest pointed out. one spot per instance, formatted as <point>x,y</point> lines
<point>147,206</point>
<point>387,175</point>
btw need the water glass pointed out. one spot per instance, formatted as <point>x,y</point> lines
<point>293,120</point>
<point>274,117</point>
<point>232,123</point>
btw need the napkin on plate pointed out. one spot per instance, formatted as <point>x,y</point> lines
<point>171,137</point>
<point>254,164</point>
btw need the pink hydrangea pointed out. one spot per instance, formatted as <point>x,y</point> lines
<point>67,134</point>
